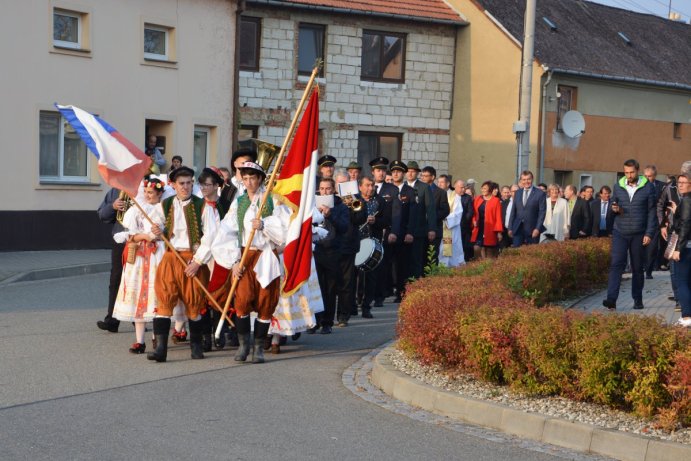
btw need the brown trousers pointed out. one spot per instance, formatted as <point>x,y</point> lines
<point>172,285</point>
<point>250,296</point>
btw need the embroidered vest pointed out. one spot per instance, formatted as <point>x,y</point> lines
<point>243,205</point>
<point>193,218</point>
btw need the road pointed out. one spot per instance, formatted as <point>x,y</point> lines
<point>69,391</point>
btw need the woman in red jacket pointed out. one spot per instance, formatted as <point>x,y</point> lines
<point>487,222</point>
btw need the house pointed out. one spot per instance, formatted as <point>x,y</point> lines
<point>627,73</point>
<point>387,82</point>
<point>148,68</point>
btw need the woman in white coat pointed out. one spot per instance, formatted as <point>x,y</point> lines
<point>556,217</point>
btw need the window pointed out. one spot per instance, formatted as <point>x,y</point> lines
<point>383,56</point>
<point>563,178</point>
<point>62,153</point>
<point>310,48</point>
<point>71,31</point>
<point>156,43</point>
<point>566,101</point>
<point>246,132</point>
<point>372,145</point>
<point>586,180</point>
<point>677,131</point>
<point>250,33</point>
<point>201,148</point>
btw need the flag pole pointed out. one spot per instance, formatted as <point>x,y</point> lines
<point>267,193</point>
<point>175,252</point>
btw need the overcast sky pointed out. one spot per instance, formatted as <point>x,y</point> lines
<point>657,7</point>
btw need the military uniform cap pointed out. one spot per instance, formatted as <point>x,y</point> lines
<point>180,171</point>
<point>379,162</point>
<point>412,165</point>
<point>326,160</point>
<point>398,165</point>
<point>354,166</point>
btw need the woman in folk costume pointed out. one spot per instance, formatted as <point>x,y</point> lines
<point>259,287</point>
<point>451,251</point>
<point>296,313</point>
<point>136,299</point>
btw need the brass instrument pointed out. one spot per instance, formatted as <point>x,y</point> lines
<point>352,203</point>
<point>266,152</point>
<point>120,214</point>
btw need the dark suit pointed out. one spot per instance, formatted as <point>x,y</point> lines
<point>424,219</point>
<point>441,204</point>
<point>505,241</point>
<point>580,220</point>
<point>595,213</point>
<point>652,251</point>
<point>529,217</point>
<point>389,193</point>
<point>467,225</point>
<point>402,223</point>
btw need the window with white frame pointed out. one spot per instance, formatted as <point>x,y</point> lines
<point>67,29</point>
<point>202,138</point>
<point>62,153</point>
<point>156,42</point>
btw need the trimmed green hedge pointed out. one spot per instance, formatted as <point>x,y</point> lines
<point>482,319</point>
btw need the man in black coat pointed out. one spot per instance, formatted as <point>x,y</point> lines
<point>107,212</point>
<point>441,204</point>
<point>579,223</point>
<point>402,223</point>
<point>653,255</point>
<point>601,213</point>
<point>424,219</point>
<point>388,192</point>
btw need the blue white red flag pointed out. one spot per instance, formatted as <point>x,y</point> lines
<point>120,162</point>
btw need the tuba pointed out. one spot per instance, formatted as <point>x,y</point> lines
<point>266,152</point>
<point>128,203</point>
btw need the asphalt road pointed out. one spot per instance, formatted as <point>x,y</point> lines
<point>69,391</point>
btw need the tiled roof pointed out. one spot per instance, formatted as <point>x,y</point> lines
<point>587,40</point>
<point>420,9</point>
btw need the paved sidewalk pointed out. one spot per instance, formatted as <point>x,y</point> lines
<point>20,266</point>
<point>655,294</point>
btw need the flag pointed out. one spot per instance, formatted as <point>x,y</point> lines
<point>297,184</point>
<point>121,164</point>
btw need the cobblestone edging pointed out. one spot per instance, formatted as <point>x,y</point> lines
<point>358,378</point>
<point>549,430</point>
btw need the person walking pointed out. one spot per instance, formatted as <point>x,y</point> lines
<point>682,253</point>
<point>633,203</point>
<point>528,212</point>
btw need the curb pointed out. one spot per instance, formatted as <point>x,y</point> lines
<point>576,436</point>
<point>58,272</point>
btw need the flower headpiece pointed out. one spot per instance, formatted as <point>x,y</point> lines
<point>153,183</point>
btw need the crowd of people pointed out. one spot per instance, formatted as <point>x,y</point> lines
<point>372,234</point>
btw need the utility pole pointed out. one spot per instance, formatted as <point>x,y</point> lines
<point>522,126</point>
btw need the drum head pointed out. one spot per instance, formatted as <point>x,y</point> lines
<point>366,249</point>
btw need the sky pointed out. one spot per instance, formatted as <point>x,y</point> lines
<point>657,7</point>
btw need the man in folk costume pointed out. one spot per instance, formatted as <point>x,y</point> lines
<point>214,210</point>
<point>259,283</point>
<point>451,249</point>
<point>184,229</point>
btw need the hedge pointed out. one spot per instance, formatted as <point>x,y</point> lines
<point>493,319</point>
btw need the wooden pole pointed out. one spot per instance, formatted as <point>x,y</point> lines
<point>175,252</point>
<point>267,194</point>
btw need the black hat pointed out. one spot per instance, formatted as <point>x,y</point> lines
<point>180,171</point>
<point>412,165</point>
<point>326,160</point>
<point>213,173</point>
<point>244,152</point>
<point>379,162</point>
<point>252,167</point>
<point>398,165</point>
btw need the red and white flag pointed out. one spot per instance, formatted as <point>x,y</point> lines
<point>297,185</point>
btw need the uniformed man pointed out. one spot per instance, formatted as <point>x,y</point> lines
<point>402,223</point>
<point>354,171</point>
<point>327,165</point>
<point>388,192</point>
<point>424,220</point>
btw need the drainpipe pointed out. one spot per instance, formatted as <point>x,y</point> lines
<point>541,175</point>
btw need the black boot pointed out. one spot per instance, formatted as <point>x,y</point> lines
<point>196,329</point>
<point>219,342</point>
<point>205,322</point>
<point>243,329</point>
<point>161,331</point>
<point>261,330</point>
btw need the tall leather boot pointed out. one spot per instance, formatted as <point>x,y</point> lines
<point>243,328</point>
<point>196,330</point>
<point>261,329</point>
<point>232,334</point>
<point>161,331</point>
<point>206,338</point>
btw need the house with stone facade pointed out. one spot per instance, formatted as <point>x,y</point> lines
<point>387,82</point>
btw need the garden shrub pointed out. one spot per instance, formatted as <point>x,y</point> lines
<point>482,319</point>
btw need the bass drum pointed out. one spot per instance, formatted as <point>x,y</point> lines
<point>370,255</point>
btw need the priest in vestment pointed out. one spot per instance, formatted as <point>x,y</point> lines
<point>451,247</point>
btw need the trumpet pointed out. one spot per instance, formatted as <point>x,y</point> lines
<point>352,203</point>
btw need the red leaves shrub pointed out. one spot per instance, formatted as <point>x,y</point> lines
<point>482,320</point>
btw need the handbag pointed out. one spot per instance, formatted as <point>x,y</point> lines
<point>671,245</point>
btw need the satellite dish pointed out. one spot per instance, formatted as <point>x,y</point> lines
<point>573,124</point>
